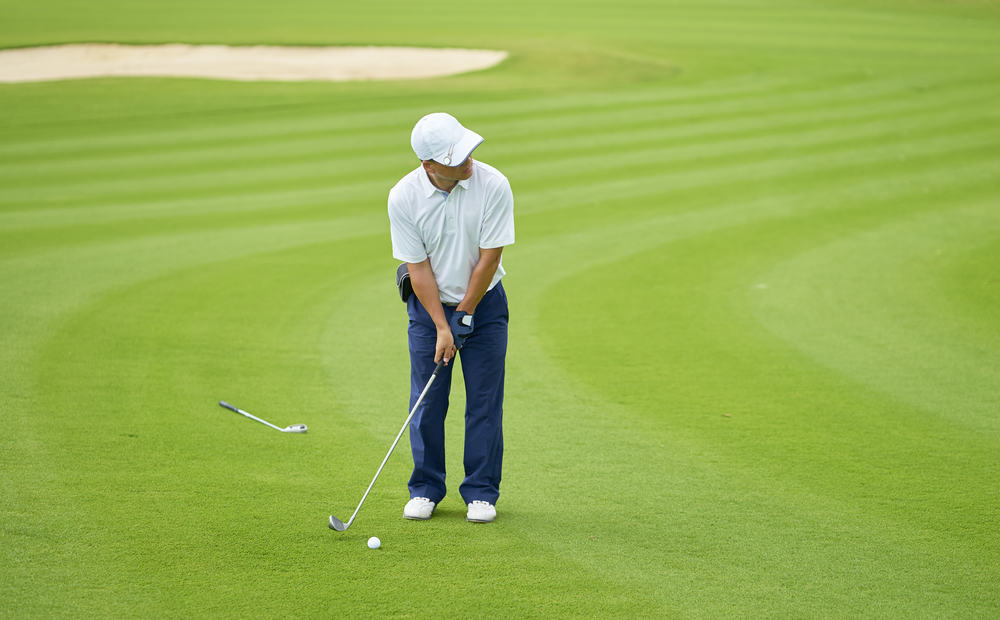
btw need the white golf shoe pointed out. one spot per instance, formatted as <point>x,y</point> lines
<point>419,508</point>
<point>481,512</point>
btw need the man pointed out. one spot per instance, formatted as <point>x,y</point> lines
<point>450,220</point>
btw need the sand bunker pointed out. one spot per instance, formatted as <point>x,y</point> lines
<point>286,64</point>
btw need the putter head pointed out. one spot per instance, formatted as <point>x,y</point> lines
<point>337,524</point>
<point>296,428</point>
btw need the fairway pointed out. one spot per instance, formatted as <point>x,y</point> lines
<point>754,358</point>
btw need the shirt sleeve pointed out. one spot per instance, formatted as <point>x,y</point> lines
<point>407,245</point>
<point>498,218</point>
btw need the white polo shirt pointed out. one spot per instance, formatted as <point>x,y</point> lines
<point>449,228</point>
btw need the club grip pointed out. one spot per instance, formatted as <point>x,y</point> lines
<point>223,403</point>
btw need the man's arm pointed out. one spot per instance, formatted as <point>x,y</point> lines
<point>482,275</point>
<point>426,289</point>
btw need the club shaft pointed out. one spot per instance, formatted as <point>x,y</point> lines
<point>249,415</point>
<point>393,446</point>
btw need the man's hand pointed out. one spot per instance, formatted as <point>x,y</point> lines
<point>445,346</point>
<point>461,327</point>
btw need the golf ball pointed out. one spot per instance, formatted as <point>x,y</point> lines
<point>374,542</point>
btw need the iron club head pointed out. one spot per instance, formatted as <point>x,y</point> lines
<point>337,524</point>
<point>295,428</point>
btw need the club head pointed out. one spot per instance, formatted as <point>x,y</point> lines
<point>296,428</point>
<point>337,524</point>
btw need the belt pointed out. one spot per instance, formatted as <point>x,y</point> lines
<point>450,304</point>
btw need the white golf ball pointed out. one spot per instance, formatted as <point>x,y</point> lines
<point>374,542</point>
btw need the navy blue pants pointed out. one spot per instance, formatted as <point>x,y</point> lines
<point>482,359</point>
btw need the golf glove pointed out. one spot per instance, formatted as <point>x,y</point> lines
<point>461,327</point>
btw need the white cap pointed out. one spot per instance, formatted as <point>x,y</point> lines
<point>441,137</point>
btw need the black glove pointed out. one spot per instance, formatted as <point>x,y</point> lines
<point>461,327</point>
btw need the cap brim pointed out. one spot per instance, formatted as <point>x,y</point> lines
<point>462,150</point>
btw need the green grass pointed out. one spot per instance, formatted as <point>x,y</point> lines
<point>755,334</point>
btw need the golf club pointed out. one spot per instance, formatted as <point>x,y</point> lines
<point>294,428</point>
<point>340,526</point>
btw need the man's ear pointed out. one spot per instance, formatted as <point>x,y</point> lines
<point>427,164</point>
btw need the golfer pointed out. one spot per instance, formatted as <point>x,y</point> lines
<point>450,220</point>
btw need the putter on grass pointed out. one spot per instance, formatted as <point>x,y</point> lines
<point>340,526</point>
<point>294,428</point>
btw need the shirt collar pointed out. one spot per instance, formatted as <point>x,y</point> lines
<point>429,188</point>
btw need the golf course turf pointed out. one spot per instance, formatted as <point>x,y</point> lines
<point>754,361</point>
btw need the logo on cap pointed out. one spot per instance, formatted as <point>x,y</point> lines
<point>447,158</point>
